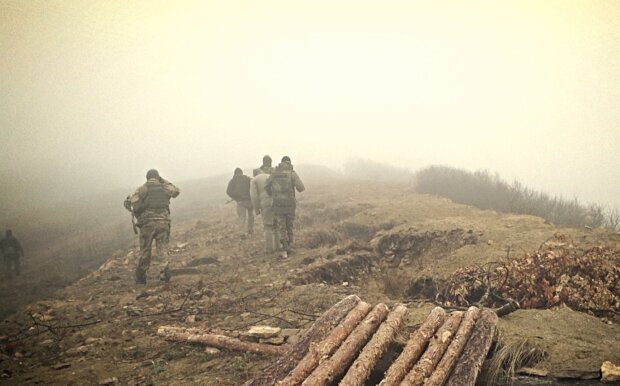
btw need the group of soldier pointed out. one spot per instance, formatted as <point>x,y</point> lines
<point>270,194</point>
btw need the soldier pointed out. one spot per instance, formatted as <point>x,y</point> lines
<point>151,205</point>
<point>261,201</point>
<point>266,166</point>
<point>11,250</point>
<point>281,185</point>
<point>239,190</point>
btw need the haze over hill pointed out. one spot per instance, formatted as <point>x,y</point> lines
<point>95,93</point>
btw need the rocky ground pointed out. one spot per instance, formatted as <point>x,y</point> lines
<point>383,243</point>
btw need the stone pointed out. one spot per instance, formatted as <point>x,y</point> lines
<point>212,351</point>
<point>109,381</point>
<point>77,351</point>
<point>276,340</point>
<point>60,366</point>
<point>610,372</point>
<point>92,340</point>
<point>263,332</point>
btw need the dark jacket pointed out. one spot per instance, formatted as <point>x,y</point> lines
<point>239,188</point>
<point>10,245</point>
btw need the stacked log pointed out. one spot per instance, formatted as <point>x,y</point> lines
<point>372,352</point>
<point>327,346</point>
<point>413,350</point>
<point>470,362</point>
<point>335,366</point>
<point>349,339</point>
<point>452,354</point>
<point>436,348</point>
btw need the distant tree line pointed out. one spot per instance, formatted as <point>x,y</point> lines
<point>488,191</point>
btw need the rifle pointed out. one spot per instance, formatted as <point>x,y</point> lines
<point>127,205</point>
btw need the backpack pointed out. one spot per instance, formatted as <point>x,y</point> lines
<point>282,189</point>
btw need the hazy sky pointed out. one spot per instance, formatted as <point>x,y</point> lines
<point>94,93</point>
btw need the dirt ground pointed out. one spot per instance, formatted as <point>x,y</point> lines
<point>102,329</point>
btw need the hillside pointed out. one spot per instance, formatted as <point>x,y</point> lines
<point>102,329</point>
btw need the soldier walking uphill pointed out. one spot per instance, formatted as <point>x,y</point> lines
<point>11,251</point>
<point>239,190</point>
<point>151,206</point>
<point>281,185</point>
<point>261,201</point>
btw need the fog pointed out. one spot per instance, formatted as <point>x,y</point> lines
<point>93,94</point>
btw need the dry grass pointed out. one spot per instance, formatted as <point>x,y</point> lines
<point>510,357</point>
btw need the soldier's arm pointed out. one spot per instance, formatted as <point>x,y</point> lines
<point>297,182</point>
<point>268,185</point>
<point>254,195</point>
<point>172,190</point>
<point>137,196</point>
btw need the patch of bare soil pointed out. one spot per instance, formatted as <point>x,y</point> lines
<point>386,244</point>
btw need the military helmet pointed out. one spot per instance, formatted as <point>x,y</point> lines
<point>153,173</point>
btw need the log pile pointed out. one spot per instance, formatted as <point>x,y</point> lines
<point>346,343</point>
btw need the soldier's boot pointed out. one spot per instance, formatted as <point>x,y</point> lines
<point>284,252</point>
<point>164,274</point>
<point>140,276</point>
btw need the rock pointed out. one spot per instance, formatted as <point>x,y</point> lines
<point>77,351</point>
<point>263,332</point>
<point>92,340</point>
<point>610,372</point>
<point>490,242</point>
<point>47,342</point>
<point>276,340</point>
<point>109,381</point>
<point>60,366</point>
<point>212,351</point>
<point>190,319</point>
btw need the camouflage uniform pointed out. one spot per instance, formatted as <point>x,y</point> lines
<point>282,184</point>
<point>11,251</point>
<point>151,206</point>
<point>261,201</point>
<point>239,190</point>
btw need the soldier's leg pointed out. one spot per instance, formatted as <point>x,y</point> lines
<point>241,217</point>
<point>270,241</point>
<point>281,223</point>
<point>146,243</point>
<point>250,213</point>
<point>17,265</point>
<point>162,238</point>
<point>8,271</point>
<point>290,223</point>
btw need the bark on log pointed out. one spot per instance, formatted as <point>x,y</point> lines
<point>193,335</point>
<point>360,369</point>
<point>449,359</point>
<point>327,346</point>
<point>475,352</point>
<point>316,333</point>
<point>331,368</point>
<point>434,352</point>
<point>414,348</point>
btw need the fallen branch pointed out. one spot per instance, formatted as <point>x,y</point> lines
<point>362,367</point>
<point>414,348</point>
<point>193,335</point>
